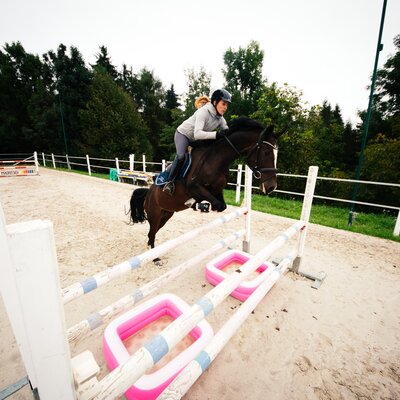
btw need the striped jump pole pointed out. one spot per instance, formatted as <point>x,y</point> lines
<point>103,316</point>
<point>126,374</point>
<point>80,288</point>
<point>188,376</point>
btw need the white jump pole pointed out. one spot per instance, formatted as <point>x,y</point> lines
<point>31,291</point>
<point>131,162</point>
<point>99,318</point>
<point>144,162</point>
<point>188,376</point>
<point>126,374</point>
<point>117,164</point>
<point>75,290</point>
<point>247,202</point>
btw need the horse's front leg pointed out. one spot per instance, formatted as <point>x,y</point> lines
<point>201,192</point>
<point>155,225</point>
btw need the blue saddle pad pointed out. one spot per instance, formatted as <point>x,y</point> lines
<point>163,177</point>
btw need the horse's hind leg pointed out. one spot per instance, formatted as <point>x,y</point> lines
<point>165,216</point>
<point>154,220</point>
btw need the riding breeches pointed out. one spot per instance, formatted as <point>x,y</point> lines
<point>181,144</point>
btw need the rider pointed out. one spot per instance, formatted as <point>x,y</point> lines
<point>203,124</point>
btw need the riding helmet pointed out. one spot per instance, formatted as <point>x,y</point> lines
<point>221,94</point>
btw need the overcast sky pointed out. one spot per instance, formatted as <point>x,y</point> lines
<point>325,48</point>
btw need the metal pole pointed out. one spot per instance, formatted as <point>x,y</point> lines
<point>379,48</point>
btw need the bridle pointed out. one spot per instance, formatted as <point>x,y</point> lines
<point>257,172</point>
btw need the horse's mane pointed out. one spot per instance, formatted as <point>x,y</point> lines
<point>244,124</point>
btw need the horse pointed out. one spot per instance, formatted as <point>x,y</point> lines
<point>209,173</point>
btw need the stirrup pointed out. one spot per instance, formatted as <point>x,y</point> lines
<point>169,187</point>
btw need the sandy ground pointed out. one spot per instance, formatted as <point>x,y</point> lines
<point>339,342</point>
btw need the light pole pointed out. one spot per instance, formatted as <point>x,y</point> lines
<point>379,48</point>
<point>58,94</point>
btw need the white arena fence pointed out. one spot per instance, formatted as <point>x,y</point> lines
<point>34,301</point>
<point>141,170</point>
<point>143,166</point>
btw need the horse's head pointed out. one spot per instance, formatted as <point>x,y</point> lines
<point>261,148</point>
<point>262,159</point>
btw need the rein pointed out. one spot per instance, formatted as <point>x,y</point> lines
<point>257,172</point>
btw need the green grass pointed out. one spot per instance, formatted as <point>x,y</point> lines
<point>378,225</point>
<point>76,171</point>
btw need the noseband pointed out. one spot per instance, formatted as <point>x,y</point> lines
<point>257,172</point>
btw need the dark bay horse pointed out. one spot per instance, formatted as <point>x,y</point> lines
<point>209,172</point>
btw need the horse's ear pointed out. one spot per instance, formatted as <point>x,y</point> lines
<point>268,131</point>
<point>280,133</point>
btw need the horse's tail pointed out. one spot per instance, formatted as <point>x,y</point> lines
<point>137,205</point>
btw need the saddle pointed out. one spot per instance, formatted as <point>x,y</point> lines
<point>163,177</point>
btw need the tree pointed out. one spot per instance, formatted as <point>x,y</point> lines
<point>150,98</point>
<point>199,84</point>
<point>173,119</point>
<point>243,77</point>
<point>382,164</point>
<point>282,107</point>
<point>72,81</point>
<point>171,99</point>
<point>110,121</point>
<point>388,85</point>
<point>104,60</point>
<point>24,84</point>
<point>352,142</point>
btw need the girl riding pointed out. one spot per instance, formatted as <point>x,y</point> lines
<point>207,122</point>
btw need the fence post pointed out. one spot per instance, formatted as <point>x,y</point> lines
<point>54,162</point>
<point>35,157</point>
<point>88,165</point>
<point>131,162</point>
<point>31,290</point>
<point>238,183</point>
<point>247,203</point>
<point>68,164</point>
<point>396,231</point>
<point>144,162</point>
<point>305,215</point>
<point>117,164</point>
<point>44,159</point>
<point>163,163</point>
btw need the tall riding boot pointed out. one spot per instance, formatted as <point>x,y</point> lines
<point>175,169</point>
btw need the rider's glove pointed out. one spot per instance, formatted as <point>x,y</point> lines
<point>221,133</point>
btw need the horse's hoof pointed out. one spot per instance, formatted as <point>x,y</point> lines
<point>158,262</point>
